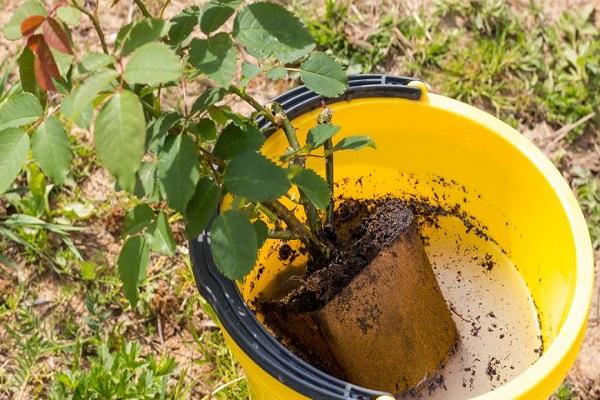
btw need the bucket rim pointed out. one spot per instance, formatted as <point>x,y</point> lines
<point>270,355</point>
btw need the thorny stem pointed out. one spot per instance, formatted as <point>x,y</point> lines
<point>143,8</point>
<point>279,119</point>
<point>316,248</point>
<point>312,218</point>
<point>96,24</point>
<point>286,125</point>
<point>282,234</point>
<point>325,118</point>
<point>252,101</point>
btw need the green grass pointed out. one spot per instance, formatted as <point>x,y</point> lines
<point>517,65</point>
<point>67,330</point>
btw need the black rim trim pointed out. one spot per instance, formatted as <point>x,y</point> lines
<point>225,298</point>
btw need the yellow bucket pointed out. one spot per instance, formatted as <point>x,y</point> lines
<point>516,193</point>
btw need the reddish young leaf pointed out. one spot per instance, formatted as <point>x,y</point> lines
<point>45,67</point>
<point>55,36</point>
<point>30,24</point>
<point>33,42</point>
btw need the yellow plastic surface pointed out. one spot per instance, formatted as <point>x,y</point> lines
<point>522,198</point>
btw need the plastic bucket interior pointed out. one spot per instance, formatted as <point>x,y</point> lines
<point>522,199</point>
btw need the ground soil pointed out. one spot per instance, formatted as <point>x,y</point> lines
<point>176,339</point>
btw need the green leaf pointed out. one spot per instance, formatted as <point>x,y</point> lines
<point>152,64</point>
<point>249,71</point>
<point>262,232</point>
<point>234,141</point>
<point>206,129</point>
<point>50,148</point>
<point>267,29</point>
<point>69,15</point>
<point>318,135</point>
<point>202,208</point>
<point>233,244</point>
<point>84,95</point>
<point>138,219</point>
<point>323,75</point>
<point>159,129</point>
<point>26,71</point>
<point>182,25</point>
<point>93,62</point>
<point>12,30</point>
<point>145,182</point>
<point>144,32</point>
<point>161,237</point>
<point>354,143</point>
<point>14,145</point>
<point>18,110</point>
<point>119,135</point>
<point>277,73</point>
<point>214,15</point>
<point>178,170</point>
<point>133,264</point>
<point>207,99</point>
<point>215,57</point>
<point>255,178</point>
<point>84,118</point>
<point>313,187</point>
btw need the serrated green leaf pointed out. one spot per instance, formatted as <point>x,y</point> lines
<point>233,244</point>
<point>69,15</point>
<point>18,110</point>
<point>182,25</point>
<point>202,207</point>
<point>138,219</point>
<point>93,62</point>
<point>262,232</point>
<point>206,129</point>
<point>214,15</point>
<point>313,187</point>
<point>159,129</point>
<point>249,71</point>
<point>254,177</point>
<point>119,136</point>
<point>51,150</point>
<point>83,96</point>
<point>323,75</point>
<point>215,57</point>
<point>178,170</point>
<point>152,64</point>
<point>267,29</point>
<point>84,119</point>
<point>277,73</point>
<point>63,62</point>
<point>354,143</point>
<point>318,135</point>
<point>132,265</point>
<point>12,30</point>
<point>234,141</point>
<point>161,237</point>
<point>143,32</point>
<point>14,145</point>
<point>207,99</point>
<point>26,72</point>
<point>146,182</point>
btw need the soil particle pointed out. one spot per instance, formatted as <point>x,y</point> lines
<point>285,251</point>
